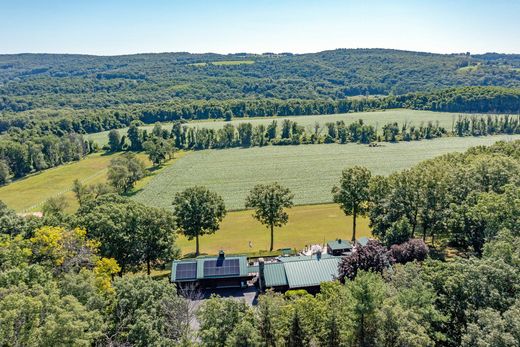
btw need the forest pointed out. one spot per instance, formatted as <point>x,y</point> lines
<point>30,81</point>
<point>66,278</point>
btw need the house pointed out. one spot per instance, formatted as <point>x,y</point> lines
<point>338,247</point>
<point>299,272</point>
<point>212,272</point>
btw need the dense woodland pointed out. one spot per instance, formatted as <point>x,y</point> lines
<point>30,81</point>
<point>59,283</point>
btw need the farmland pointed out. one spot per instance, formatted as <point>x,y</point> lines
<point>310,224</point>
<point>308,170</point>
<point>378,119</point>
<point>29,193</point>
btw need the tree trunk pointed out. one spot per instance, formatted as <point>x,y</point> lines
<point>197,245</point>
<point>272,238</point>
<point>148,267</point>
<point>354,215</point>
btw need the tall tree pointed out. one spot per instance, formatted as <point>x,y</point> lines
<point>269,202</point>
<point>198,212</point>
<point>124,171</point>
<point>353,193</point>
<point>114,140</point>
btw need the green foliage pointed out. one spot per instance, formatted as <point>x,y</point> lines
<point>129,232</point>
<point>124,171</point>
<point>148,313</point>
<point>198,212</point>
<point>218,317</point>
<point>269,202</point>
<point>353,194</point>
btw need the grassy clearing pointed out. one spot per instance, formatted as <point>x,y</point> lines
<point>29,193</point>
<point>309,171</point>
<point>225,63</point>
<point>233,62</point>
<point>378,119</point>
<point>311,224</point>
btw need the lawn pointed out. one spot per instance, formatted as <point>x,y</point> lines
<point>29,193</point>
<point>309,171</point>
<point>378,119</point>
<point>311,224</point>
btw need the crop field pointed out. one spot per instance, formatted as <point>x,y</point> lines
<point>310,224</point>
<point>377,119</point>
<point>309,171</point>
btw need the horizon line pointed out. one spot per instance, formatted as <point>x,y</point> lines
<point>255,53</point>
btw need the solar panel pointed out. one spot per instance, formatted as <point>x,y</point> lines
<point>221,267</point>
<point>186,271</point>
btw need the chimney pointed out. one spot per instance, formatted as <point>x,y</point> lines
<point>318,255</point>
<point>261,274</point>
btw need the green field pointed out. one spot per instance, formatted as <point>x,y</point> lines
<point>312,224</point>
<point>377,119</point>
<point>29,193</point>
<point>225,63</point>
<point>309,171</point>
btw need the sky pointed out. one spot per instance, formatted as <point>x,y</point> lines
<point>113,27</point>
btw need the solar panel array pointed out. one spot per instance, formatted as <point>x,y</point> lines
<point>221,267</point>
<point>186,271</point>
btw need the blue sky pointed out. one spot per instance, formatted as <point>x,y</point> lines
<point>110,27</point>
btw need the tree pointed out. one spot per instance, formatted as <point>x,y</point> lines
<point>123,228</point>
<point>296,337</point>
<point>10,222</point>
<point>114,140</point>
<point>414,249</point>
<point>5,174</point>
<point>55,206</point>
<point>353,193</point>
<point>135,136</point>
<point>148,312</point>
<point>367,293</point>
<point>372,257</point>
<point>219,317</point>
<point>198,212</point>
<point>124,171</point>
<point>128,231</point>
<point>269,202</point>
<point>245,134</point>
<point>157,149</point>
<point>157,237</point>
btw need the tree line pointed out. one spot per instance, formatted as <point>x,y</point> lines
<point>161,143</point>
<point>22,153</point>
<point>464,99</point>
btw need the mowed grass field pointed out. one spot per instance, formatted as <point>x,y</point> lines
<point>309,171</point>
<point>311,224</point>
<point>377,119</point>
<point>29,194</point>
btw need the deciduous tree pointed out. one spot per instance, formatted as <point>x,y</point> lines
<point>269,202</point>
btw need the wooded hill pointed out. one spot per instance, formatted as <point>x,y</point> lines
<point>30,81</point>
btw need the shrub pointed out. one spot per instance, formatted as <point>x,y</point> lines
<point>414,249</point>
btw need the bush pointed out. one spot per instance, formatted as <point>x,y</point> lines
<point>372,257</point>
<point>411,250</point>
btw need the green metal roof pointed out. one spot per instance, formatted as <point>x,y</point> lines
<point>274,274</point>
<point>363,240</point>
<point>311,273</point>
<point>242,261</point>
<point>304,257</point>
<point>339,245</point>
